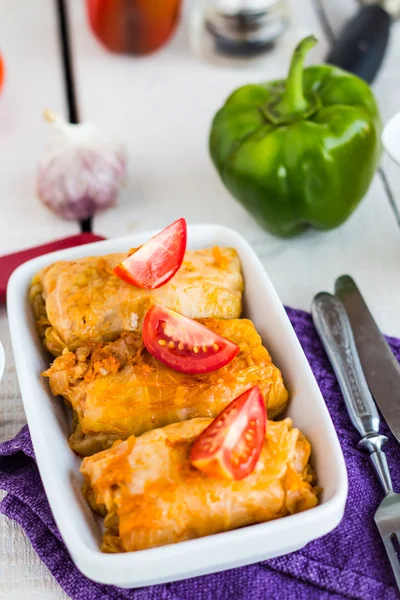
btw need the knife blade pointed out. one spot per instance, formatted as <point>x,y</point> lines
<point>381,369</point>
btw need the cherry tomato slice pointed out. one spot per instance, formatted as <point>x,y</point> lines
<point>154,263</point>
<point>183,344</point>
<point>230,447</point>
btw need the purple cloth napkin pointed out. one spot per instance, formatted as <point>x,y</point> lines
<point>350,562</point>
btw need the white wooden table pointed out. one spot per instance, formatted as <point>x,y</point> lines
<point>161,107</point>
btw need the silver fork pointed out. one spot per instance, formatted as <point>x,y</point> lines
<point>333,326</point>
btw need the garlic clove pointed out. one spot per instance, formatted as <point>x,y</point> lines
<point>81,171</point>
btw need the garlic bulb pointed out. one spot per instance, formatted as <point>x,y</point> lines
<point>81,171</point>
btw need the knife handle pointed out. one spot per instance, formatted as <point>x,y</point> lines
<point>362,44</point>
<point>332,324</point>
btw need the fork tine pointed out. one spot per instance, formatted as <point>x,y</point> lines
<point>391,551</point>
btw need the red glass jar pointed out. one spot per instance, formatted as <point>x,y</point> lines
<point>133,26</point>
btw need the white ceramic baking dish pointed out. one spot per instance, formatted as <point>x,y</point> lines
<point>59,467</point>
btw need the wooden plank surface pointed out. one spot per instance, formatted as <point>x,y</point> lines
<point>29,45</point>
<point>161,107</point>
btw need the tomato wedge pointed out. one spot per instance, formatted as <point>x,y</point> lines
<point>230,447</point>
<point>154,263</point>
<point>184,344</point>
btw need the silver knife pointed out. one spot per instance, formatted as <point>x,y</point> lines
<point>381,369</point>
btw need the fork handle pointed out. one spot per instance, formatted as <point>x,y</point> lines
<point>333,326</point>
<point>334,329</point>
<point>381,468</point>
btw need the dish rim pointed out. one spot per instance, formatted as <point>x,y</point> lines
<point>92,562</point>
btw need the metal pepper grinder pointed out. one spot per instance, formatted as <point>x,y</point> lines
<point>236,31</point>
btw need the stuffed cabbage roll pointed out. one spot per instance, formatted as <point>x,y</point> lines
<point>118,389</point>
<point>150,494</point>
<point>82,300</point>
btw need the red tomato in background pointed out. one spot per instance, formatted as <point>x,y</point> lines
<point>230,447</point>
<point>154,263</point>
<point>184,344</point>
<point>1,73</point>
<point>133,26</point>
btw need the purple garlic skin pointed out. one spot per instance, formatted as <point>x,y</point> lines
<point>81,172</point>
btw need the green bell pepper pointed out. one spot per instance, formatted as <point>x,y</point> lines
<point>299,152</point>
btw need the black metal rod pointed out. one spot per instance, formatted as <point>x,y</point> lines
<point>69,80</point>
<point>66,56</point>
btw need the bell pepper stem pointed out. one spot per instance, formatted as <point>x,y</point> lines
<point>293,101</point>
